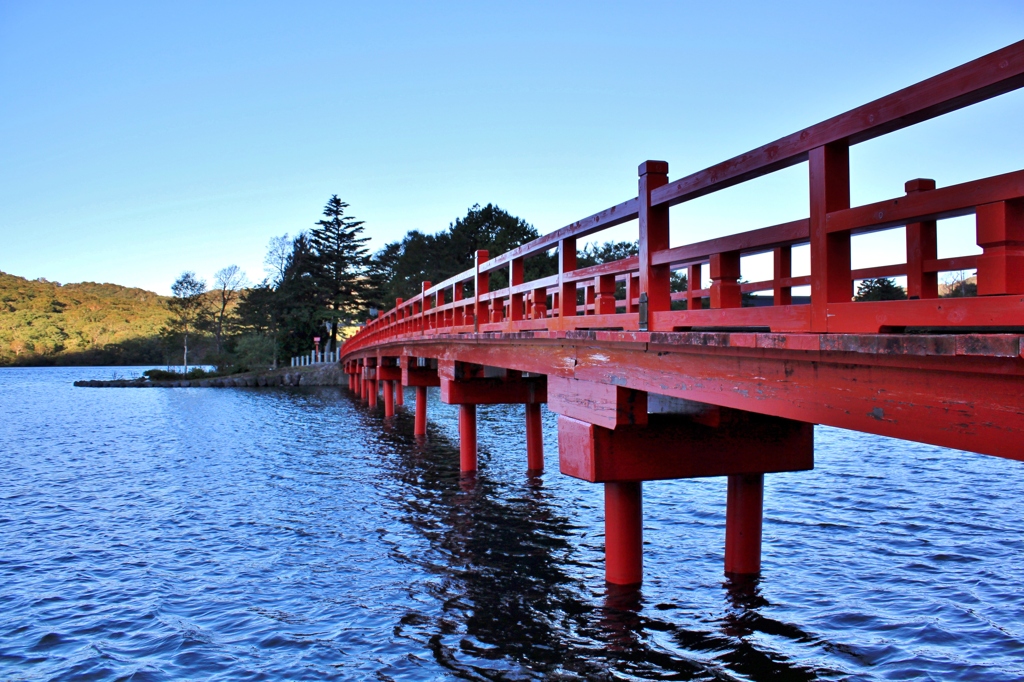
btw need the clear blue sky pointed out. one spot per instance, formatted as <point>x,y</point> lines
<point>139,140</point>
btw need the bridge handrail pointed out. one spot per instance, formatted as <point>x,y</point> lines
<point>997,201</point>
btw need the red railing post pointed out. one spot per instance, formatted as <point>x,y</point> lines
<point>481,285</point>
<point>655,289</point>
<point>829,169</point>
<point>566,290</point>
<point>922,245</point>
<point>424,307</point>
<point>516,276</point>
<point>1001,236</point>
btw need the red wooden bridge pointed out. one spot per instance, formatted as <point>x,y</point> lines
<point>646,389</point>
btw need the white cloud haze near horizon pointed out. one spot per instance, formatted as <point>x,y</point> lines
<point>139,141</point>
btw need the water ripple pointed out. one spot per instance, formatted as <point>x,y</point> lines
<point>247,534</point>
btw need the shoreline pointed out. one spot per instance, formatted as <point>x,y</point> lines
<point>314,375</point>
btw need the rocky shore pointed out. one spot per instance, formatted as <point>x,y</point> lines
<point>315,375</point>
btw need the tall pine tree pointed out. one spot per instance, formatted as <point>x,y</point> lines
<point>342,261</point>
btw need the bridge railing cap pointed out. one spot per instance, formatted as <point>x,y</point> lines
<point>653,167</point>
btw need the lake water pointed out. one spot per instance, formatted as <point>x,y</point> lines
<point>248,534</point>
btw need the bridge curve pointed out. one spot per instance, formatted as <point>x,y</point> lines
<point>652,384</point>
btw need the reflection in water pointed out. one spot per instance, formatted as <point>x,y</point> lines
<point>513,597</point>
<point>297,534</point>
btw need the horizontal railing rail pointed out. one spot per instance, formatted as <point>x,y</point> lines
<point>635,293</point>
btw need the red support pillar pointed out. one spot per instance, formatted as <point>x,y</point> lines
<point>372,386</point>
<point>743,524</point>
<point>420,427</point>
<point>389,398</point>
<point>399,393</point>
<point>467,438</point>
<point>365,389</point>
<point>623,532</point>
<point>534,439</point>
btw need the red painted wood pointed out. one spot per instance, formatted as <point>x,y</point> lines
<point>830,253</point>
<point>467,438</point>
<point>534,438</point>
<point>420,425</point>
<point>389,398</point>
<point>654,237</point>
<point>754,241</point>
<point>783,260</point>
<point>922,247</point>
<point>566,287</point>
<point>743,525</point>
<point>683,446</point>
<point>983,78</point>
<point>399,393</point>
<point>1001,235</point>
<point>623,533</point>
<point>597,403</point>
<point>937,204</point>
<point>494,391</point>
<point>725,273</point>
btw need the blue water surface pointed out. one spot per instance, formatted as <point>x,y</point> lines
<point>294,534</point>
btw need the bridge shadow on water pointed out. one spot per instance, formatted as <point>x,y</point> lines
<point>514,576</point>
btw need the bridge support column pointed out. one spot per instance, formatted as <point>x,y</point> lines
<point>372,385</point>
<point>467,438</point>
<point>389,398</point>
<point>399,393</point>
<point>623,532</point>
<point>534,439</point>
<point>420,426</point>
<point>607,435</point>
<point>420,376</point>
<point>389,374</point>
<point>743,524</point>
<point>468,385</point>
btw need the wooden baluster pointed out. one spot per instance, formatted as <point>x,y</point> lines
<point>481,285</point>
<point>516,275</point>
<point>725,273</point>
<point>783,270</point>
<point>567,290</point>
<point>693,278</point>
<point>1001,236</point>
<point>633,293</point>
<point>604,302</point>
<point>540,303</point>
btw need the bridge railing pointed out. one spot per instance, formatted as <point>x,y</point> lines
<point>635,293</point>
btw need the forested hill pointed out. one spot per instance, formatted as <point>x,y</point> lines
<point>44,322</point>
